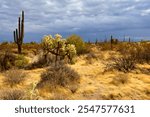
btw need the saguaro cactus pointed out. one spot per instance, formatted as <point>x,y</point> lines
<point>111,42</point>
<point>19,33</point>
<point>129,39</point>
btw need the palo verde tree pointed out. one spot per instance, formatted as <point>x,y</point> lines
<point>78,42</point>
<point>58,47</point>
<point>19,33</point>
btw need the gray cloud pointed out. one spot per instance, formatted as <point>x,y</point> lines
<point>86,17</point>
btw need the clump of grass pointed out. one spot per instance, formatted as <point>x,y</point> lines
<point>12,94</point>
<point>60,75</point>
<point>59,96</point>
<point>14,77</point>
<point>120,79</point>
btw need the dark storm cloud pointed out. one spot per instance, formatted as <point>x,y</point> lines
<point>86,17</point>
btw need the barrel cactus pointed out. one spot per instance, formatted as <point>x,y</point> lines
<point>58,47</point>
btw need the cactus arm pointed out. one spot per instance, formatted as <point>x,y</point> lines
<point>19,34</point>
<point>22,27</point>
<point>15,37</point>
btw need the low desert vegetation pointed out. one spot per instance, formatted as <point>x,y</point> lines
<point>9,60</point>
<point>63,69</point>
<point>14,77</point>
<point>120,79</point>
<point>81,46</point>
<point>12,94</point>
<point>124,64</point>
<point>59,76</point>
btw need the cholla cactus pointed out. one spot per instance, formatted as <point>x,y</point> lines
<point>58,46</point>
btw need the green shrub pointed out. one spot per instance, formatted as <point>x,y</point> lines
<point>81,47</point>
<point>21,61</point>
<point>7,61</point>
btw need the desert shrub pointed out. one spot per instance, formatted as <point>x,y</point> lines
<point>81,47</point>
<point>14,77</point>
<point>90,57</point>
<point>142,53</point>
<point>139,51</point>
<point>106,46</point>
<point>21,61</point>
<point>41,60</point>
<point>120,79</point>
<point>60,75</point>
<point>4,43</point>
<point>124,64</point>
<point>12,94</point>
<point>7,61</point>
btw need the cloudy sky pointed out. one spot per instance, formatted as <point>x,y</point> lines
<point>89,18</point>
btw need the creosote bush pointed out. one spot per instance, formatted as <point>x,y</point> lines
<point>12,94</point>
<point>14,77</point>
<point>124,64</point>
<point>60,75</point>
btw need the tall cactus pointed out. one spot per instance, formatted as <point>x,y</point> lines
<point>19,33</point>
<point>129,39</point>
<point>111,42</point>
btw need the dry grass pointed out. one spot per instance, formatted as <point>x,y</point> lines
<point>60,75</point>
<point>124,64</point>
<point>120,79</point>
<point>14,77</point>
<point>62,82</point>
<point>12,94</point>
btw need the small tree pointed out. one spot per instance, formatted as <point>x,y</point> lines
<point>58,47</point>
<point>78,42</point>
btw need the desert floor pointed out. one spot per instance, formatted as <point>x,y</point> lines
<point>96,82</point>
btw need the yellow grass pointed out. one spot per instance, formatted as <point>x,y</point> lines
<point>95,82</point>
